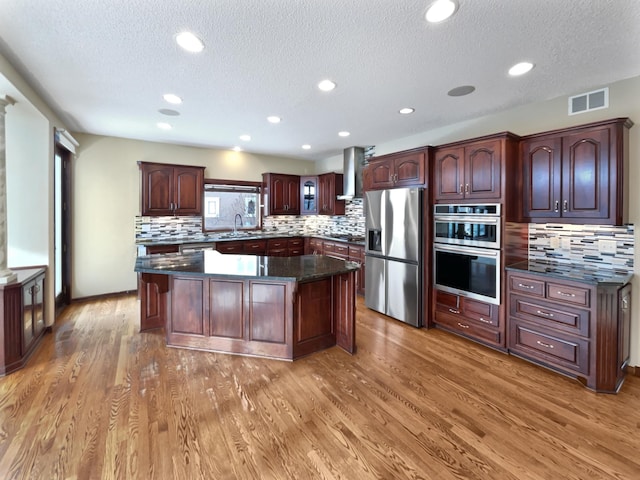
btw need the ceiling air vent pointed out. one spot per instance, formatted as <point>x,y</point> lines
<point>586,102</point>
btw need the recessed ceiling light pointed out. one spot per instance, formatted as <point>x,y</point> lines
<point>189,42</point>
<point>274,119</point>
<point>171,98</point>
<point>245,138</point>
<point>306,146</point>
<point>326,85</point>
<point>169,112</point>
<point>164,125</point>
<point>520,68</point>
<point>406,111</point>
<point>440,10</point>
<point>237,149</point>
<point>344,134</point>
<point>461,91</point>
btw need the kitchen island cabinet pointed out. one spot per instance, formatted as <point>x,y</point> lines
<point>572,320</point>
<point>171,189</point>
<point>577,175</point>
<point>277,307</point>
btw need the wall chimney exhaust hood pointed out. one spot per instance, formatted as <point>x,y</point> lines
<point>352,173</point>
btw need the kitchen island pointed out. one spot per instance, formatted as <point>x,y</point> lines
<point>278,307</point>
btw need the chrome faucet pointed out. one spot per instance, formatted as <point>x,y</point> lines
<point>235,223</point>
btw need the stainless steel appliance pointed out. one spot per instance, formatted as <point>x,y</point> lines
<point>393,253</point>
<point>466,250</point>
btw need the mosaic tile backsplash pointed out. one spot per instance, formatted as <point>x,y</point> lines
<point>594,246</point>
<point>177,228</point>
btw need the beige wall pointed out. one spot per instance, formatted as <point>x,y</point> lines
<point>106,199</point>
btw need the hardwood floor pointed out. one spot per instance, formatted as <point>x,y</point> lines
<point>100,400</point>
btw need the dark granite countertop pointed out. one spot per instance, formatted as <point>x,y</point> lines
<point>212,263</point>
<point>215,238</point>
<point>574,272</point>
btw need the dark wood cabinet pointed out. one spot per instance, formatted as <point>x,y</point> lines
<point>309,195</point>
<point>285,247</point>
<point>578,329</point>
<point>22,308</point>
<point>171,189</point>
<point>252,247</point>
<point>479,321</point>
<point>330,185</point>
<point>281,194</point>
<point>470,171</point>
<point>577,175</point>
<point>401,169</point>
<point>356,254</point>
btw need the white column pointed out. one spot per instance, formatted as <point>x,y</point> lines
<point>6,275</point>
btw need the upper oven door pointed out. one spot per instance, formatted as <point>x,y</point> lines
<point>473,231</point>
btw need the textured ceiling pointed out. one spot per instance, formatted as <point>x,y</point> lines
<point>103,65</point>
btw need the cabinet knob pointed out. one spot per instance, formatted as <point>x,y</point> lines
<point>557,208</point>
<point>544,314</point>
<point>461,188</point>
<point>462,325</point>
<point>453,310</point>
<point>466,188</point>
<point>530,287</point>
<point>545,345</point>
<point>566,205</point>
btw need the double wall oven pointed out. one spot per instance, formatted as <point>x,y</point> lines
<point>466,250</point>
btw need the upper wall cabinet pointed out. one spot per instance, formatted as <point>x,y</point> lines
<point>330,185</point>
<point>308,195</point>
<point>401,169</point>
<point>577,175</point>
<point>473,170</point>
<point>171,189</point>
<point>281,194</point>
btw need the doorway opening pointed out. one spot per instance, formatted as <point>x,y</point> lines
<point>62,225</point>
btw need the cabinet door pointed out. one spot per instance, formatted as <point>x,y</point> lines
<point>541,162</point>
<point>278,187</point>
<point>293,195</point>
<point>157,189</point>
<point>483,170</point>
<point>308,195</point>
<point>409,169</point>
<point>188,188</point>
<point>329,189</point>
<point>585,174</point>
<point>27,315</point>
<point>449,172</point>
<point>38,305</point>
<point>379,175</point>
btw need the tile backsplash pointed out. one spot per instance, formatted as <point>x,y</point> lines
<point>594,246</point>
<point>178,228</point>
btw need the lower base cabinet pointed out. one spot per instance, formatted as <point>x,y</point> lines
<point>471,318</point>
<point>22,317</point>
<point>580,330</point>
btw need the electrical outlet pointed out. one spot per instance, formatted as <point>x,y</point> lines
<point>554,242</point>
<point>607,246</point>
<point>565,243</point>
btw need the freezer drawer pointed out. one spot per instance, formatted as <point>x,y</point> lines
<point>393,288</point>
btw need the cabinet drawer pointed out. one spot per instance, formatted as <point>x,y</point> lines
<point>482,312</point>
<point>570,320</point>
<point>273,243</point>
<point>229,247</point>
<point>341,249</point>
<point>256,246</point>
<point>296,242</point>
<point>296,251</point>
<point>356,252</point>
<point>328,247</point>
<point>568,353</point>
<point>527,286</point>
<point>458,324</point>
<point>567,293</point>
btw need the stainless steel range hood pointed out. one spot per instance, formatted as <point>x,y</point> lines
<point>352,173</point>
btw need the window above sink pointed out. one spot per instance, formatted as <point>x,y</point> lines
<point>231,208</point>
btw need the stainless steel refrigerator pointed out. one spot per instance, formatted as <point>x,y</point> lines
<point>393,251</point>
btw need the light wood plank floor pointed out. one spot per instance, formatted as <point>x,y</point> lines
<point>99,400</point>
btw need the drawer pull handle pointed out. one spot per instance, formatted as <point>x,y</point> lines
<point>545,345</point>
<point>530,287</point>
<point>462,325</point>
<point>453,310</point>
<point>545,314</point>
<point>483,320</point>
<point>564,294</point>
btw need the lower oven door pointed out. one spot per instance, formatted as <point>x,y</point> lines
<point>466,271</point>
